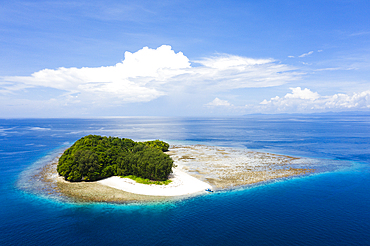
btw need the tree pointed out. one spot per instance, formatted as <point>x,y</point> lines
<point>95,157</point>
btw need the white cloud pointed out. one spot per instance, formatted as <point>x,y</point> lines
<point>302,94</point>
<point>304,101</point>
<point>226,72</point>
<point>150,73</point>
<point>329,69</point>
<point>131,80</point>
<point>335,68</point>
<point>229,61</point>
<point>355,101</point>
<point>306,54</point>
<point>218,102</point>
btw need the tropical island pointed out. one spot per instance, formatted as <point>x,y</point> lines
<point>107,169</point>
<point>98,168</point>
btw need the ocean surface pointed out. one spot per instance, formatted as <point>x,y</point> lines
<point>329,208</point>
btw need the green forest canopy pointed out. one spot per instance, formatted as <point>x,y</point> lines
<point>95,157</point>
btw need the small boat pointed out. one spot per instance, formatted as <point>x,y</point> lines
<point>209,190</point>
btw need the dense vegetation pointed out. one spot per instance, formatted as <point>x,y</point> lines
<point>95,157</point>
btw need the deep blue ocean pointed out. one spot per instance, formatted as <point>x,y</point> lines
<point>329,208</point>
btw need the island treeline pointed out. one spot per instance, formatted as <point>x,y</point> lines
<point>95,157</point>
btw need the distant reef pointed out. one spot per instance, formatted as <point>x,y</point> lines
<point>96,157</point>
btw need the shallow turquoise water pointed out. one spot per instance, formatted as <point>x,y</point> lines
<point>331,208</point>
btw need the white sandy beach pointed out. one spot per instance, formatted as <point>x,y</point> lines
<point>182,184</point>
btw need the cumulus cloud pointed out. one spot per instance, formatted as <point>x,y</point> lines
<point>218,102</point>
<point>303,101</point>
<point>130,80</point>
<point>151,73</point>
<point>306,94</point>
<point>306,54</point>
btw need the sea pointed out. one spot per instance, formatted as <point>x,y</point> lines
<point>331,207</point>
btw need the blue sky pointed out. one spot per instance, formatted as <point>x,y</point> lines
<point>183,58</point>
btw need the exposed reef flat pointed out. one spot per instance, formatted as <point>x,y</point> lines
<point>220,167</point>
<point>229,167</point>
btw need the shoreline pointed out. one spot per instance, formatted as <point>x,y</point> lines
<point>182,185</point>
<point>119,190</point>
<point>199,167</point>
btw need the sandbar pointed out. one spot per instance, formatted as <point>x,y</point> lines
<point>182,184</point>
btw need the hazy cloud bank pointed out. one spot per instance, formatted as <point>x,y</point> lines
<point>307,101</point>
<point>303,101</point>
